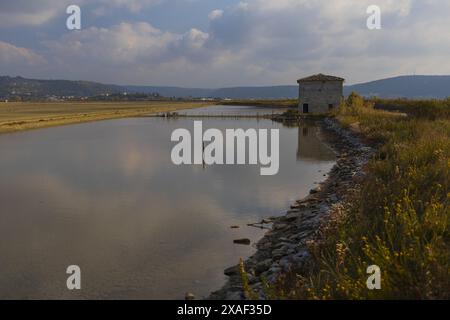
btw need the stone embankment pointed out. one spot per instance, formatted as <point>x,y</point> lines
<point>285,245</point>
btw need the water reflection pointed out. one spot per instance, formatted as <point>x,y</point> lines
<point>105,196</point>
<point>310,147</point>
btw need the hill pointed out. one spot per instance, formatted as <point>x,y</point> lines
<point>22,87</point>
<point>412,87</point>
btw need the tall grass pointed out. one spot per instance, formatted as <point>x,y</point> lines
<point>398,220</point>
<point>431,109</point>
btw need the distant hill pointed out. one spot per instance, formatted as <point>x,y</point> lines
<point>275,92</point>
<point>18,86</point>
<point>412,87</point>
<point>176,92</point>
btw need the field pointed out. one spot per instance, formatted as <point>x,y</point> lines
<point>17,116</point>
<point>288,103</point>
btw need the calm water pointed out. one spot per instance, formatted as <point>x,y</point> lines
<point>232,110</point>
<point>106,196</point>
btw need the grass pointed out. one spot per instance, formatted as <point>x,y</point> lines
<point>398,220</point>
<point>431,109</point>
<point>17,116</point>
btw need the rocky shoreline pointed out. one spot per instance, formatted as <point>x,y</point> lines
<point>285,245</point>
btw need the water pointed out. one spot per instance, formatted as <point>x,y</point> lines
<point>232,110</point>
<point>105,196</point>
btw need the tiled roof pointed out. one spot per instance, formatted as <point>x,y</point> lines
<point>320,77</point>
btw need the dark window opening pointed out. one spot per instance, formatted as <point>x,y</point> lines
<point>305,108</point>
<point>330,106</point>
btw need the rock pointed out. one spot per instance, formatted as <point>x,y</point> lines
<point>274,270</point>
<point>264,246</point>
<point>189,296</point>
<point>333,198</point>
<point>285,263</point>
<point>252,279</point>
<point>280,226</point>
<point>278,253</point>
<point>263,266</point>
<point>315,190</point>
<point>300,257</point>
<point>234,295</point>
<point>257,286</point>
<point>292,216</point>
<point>244,241</point>
<point>232,271</point>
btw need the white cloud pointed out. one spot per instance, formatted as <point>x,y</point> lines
<point>128,50</point>
<point>260,42</point>
<point>19,61</point>
<point>29,13</point>
<point>101,7</point>
<point>215,14</point>
<point>12,55</point>
<point>123,44</point>
<point>28,19</point>
<point>133,5</point>
<point>288,38</point>
<point>35,13</point>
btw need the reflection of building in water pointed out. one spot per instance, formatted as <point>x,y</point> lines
<point>309,145</point>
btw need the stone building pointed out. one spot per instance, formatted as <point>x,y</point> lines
<point>320,93</point>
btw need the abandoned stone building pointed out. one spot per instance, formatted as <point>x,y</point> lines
<point>320,93</point>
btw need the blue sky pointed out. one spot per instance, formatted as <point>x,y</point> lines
<point>216,43</point>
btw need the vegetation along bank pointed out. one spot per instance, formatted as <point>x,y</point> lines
<point>385,203</point>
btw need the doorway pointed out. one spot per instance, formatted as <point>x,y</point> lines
<point>305,108</point>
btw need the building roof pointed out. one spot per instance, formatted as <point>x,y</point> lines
<point>320,77</point>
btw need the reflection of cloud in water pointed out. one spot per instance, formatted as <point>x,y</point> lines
<point>107,197</point>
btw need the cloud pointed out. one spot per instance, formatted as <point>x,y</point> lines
<point>257,42</point>
<point>128,51</point>
<point>32,13</point>
<point>12,55</point>
<point>20,61</point>
<point>122,44</point>
<point>127,45</point>
<point>215,14</point>
<point>104,7</point>
<point>287,38</point>
<point>132,5</point>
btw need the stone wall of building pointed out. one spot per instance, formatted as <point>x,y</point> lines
<point>320,94</point>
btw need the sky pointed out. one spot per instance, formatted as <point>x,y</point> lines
<point>223,43</point>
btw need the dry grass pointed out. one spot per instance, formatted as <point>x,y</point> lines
<point>399,220</point>
<point>17,116</point>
